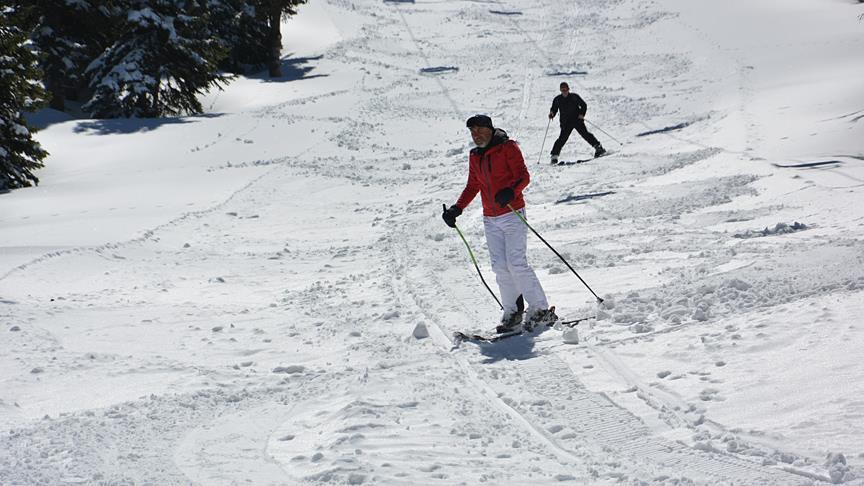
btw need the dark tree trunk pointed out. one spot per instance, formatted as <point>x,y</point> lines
<point>54,79</point>
<point>58,95</point>
<point>274,60</point>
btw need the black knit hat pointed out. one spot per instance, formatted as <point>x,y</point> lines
<point>479,121</point>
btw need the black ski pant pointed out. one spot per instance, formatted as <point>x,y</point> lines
<point>566,129</point>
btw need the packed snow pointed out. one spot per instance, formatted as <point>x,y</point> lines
<point>266,293</point>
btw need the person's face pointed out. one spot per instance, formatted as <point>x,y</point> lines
<point>565,91</point>
<point>481,135</point>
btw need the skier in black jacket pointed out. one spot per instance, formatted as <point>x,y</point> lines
<point>573,109</point>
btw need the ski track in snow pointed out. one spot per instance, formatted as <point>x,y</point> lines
<point>265,349</point>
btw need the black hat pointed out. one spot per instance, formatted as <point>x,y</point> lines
<point>479,121</point>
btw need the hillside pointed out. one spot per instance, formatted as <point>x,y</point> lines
<point>232,298</point>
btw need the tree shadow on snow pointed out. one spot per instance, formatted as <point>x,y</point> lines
<point>293,69</point>
<point>110,126</point>
<point>45,117</point>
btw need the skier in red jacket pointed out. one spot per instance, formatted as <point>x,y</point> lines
<point>497,171</point>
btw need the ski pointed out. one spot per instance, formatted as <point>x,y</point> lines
<point>460,336</point>
<point>581,161</point>
<point>479,338</point>
<point>572,162</point>
<point>574,322</point>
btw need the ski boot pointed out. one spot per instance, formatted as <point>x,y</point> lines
<point>554,160</point>
<point>540,318</point>
<point>510,322</point>
<point>599,150</point>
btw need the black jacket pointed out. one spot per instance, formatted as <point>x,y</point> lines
<point>571,107</point>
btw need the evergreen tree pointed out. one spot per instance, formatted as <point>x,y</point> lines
<point>272,12</point>
<point>19,92</point>
<point>236,23</point>
<point>68,34</point>
<point>162,58</point>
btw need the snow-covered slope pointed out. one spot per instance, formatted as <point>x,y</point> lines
<point>231,298</point>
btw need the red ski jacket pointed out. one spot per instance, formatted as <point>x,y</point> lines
<point>493,168</point>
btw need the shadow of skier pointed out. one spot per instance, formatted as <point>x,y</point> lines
<point>517,348</point>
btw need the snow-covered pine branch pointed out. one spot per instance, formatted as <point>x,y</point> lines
<point>163,58</point>
<point>20,155</point>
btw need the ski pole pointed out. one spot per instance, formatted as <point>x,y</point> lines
<point>544,141</point>
<point>474,260</point>
<point>599,300</point>
<point>605,132</point>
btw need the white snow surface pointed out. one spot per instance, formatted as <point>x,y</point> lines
<point>266,293</point>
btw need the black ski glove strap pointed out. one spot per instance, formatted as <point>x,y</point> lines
<point>504,196</point>
<point>450,214</point>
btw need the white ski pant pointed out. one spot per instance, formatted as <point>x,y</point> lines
<point>507,239</point>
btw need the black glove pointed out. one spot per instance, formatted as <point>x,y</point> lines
<point>450,214</point>
<point>504,196</point>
